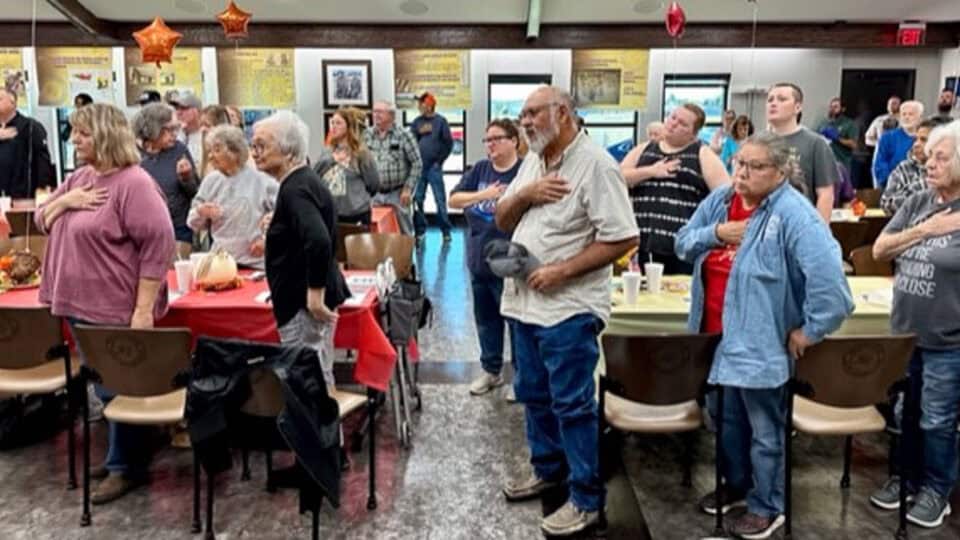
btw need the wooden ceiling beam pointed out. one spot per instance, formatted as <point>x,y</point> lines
<point>81,17</point>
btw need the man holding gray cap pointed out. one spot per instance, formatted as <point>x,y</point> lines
<point>188,107</point>
<point>568,206</point>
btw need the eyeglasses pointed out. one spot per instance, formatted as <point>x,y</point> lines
<point>752,166</point>
<point>259,147</point>
<point>494,139</point>
<point>534,111</point>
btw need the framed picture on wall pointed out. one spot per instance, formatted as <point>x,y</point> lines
<point>346,83</point>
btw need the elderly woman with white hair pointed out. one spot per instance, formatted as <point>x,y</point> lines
<point>305,282</point>
<point>233,198</point>
<point>923,237</point>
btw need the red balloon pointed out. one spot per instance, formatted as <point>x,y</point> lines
<point>676,20</point>
<point>234,21</point>
<point>157,42</point>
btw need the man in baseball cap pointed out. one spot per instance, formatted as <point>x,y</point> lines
<point>427,99</point>
<point>149,96</point>
<point>432,133</point>
<point>188,107</point>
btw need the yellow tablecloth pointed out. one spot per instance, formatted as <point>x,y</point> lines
<point>667,311</point>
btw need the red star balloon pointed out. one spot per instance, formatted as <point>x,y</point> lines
<point>234,21</point>
<point>676,20</point>
<point>157,42</point>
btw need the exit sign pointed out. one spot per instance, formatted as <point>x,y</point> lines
<point>911,34</point>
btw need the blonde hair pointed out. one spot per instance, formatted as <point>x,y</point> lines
<point>114,146</point>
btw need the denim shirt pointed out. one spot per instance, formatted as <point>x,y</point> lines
<point>787,274</point>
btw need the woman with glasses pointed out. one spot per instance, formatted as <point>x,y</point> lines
<point>768,276</point>
<point>924,238</point>
<point>477,193</point>
<point>347,167</point>
<point>169,163</point>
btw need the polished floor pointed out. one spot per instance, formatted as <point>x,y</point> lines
<point>447,485</point>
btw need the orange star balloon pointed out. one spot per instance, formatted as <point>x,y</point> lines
<point>157,42</point>
<point>234,21</point>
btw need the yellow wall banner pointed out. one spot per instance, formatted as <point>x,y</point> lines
<point>257,78</point>
<point>611,78</point>
<point>64,72</point>
<point>184,73</point>
<point>14,76</point>
<point>443,72</point>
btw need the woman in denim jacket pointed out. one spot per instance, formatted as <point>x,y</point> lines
<point>768,275</point>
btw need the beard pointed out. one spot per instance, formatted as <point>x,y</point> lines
<point>538,140</point>
<point>945,108</point>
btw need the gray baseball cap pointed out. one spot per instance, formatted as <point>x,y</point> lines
<point>186,100</point>
<point>509,259</point>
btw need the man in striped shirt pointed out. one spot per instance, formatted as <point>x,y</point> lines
<point>398,162</point>
<point>910,176</point>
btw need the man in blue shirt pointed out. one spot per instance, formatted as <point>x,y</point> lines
<point>895,145</point>
<point>433,135</point>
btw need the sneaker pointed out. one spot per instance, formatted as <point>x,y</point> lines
<point>485,383</point>
<point>114,486</point>
<point>754,527</point>
<point>509,395</point>
<point>928,509</point>
<point>888,496</point>
<point>729,500</point>
<point>526,488</point>
<point>98,472</point>
<point>568,520</point>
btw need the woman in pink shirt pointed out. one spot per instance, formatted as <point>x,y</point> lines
<point>110,243</point>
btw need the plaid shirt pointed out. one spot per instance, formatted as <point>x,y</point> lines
<point>907,179</point>
<point>397,157</point>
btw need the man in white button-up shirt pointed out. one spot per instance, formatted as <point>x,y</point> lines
<point>569,207</point>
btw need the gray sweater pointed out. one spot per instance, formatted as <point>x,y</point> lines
<point>244,199</point>
<point>352,186</point>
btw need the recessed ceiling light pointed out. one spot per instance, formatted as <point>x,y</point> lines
<point>414,7</point>
<point>190,6</point>
<point>647,6</point>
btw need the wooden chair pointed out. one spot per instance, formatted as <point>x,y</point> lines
<point>366,251</point>
<point>865,265</point>
<point>875,226</point>
<point>850,235</point>
<point>344,230</point>
<point>138,367</point>
<point>20,220</point>
<point>652,383</point>
<point>870,197</point>
<point>34,359</point>
<point>36,244</point>
<point>834,391</point>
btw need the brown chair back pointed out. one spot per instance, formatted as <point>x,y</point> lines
<point>266,395</point>
<point>132,362</point>
<point>366,251</point>
<point>875,226</point>
<point>854,371</point>
<point>344,230</point>
<point>865,265</point>
<point>658,369</point>
<point>26,335</point>
<point>37,245</point>
<point>870,197</point>
<point>19,221</point>
<point>850,235</point>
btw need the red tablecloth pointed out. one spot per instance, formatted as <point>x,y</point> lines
<point>383,219</point>
<point>237,314</point>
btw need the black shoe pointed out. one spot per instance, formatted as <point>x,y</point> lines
<point>728,500</point>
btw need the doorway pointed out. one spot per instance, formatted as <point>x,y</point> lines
<point>864,93</point>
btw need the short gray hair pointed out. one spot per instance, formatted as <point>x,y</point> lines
<point>781,155</point>
<point>150,119</point>
<point>941,133</point>
<point>913,104</point>
<point>232,138</point>
<point>390,105</point>
<point>292,135</point>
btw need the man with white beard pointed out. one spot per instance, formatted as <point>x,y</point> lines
<point>568,206</point>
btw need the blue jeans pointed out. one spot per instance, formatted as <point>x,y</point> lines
<point>127,450</point>
<point>490,324</point>
<point>752,446</point>
<point>931,455</point>
<point>554,381</point>
<point>433,177</point>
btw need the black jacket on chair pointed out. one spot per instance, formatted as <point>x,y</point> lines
<point>219,385</point>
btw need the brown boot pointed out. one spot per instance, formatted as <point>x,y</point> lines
<point>114,486</point>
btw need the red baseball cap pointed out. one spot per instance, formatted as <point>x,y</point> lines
<point>427,98</point>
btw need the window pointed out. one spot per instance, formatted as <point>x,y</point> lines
<point>506,93</point>
<point>708,91</point>
<point>613,129</point>
<point>457,118</point>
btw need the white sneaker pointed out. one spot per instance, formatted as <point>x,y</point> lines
<point>509,395</point>
<point>485,383</point>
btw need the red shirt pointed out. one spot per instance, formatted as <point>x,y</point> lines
<point>716,272</point>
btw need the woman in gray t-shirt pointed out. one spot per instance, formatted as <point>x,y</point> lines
<point>924,239</point>
<point>347,168</point>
